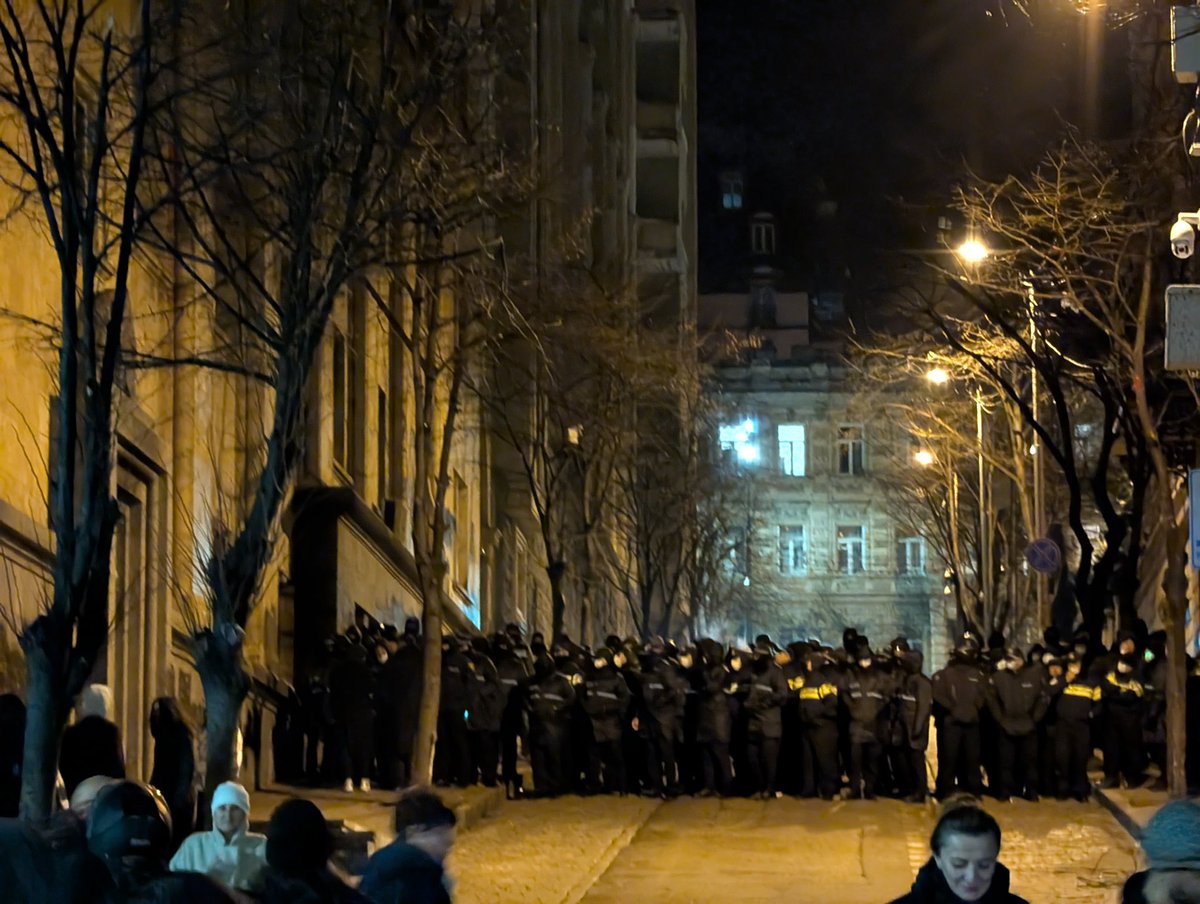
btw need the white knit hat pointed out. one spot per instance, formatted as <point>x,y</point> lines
<point>231,793</point>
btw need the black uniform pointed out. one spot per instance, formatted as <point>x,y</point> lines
<point>1017,701</point>
<point>1074,704</point>
<point>485,715</point>
<point>513,673</point>
<point>713,718</point>
<point>1124,704</point>
<point>866,696</point>
<point>819,721</point>
<point>550,699</point>
<point>765,696</point>
<point>914,704</point>
<point>452,757</point>
<point>959,697</point>
<point>606,702</point>
<point>660,721</point>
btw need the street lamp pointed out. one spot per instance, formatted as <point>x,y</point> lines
<point>938,376</point>
<point>923,457</point>
<point>972,251</point>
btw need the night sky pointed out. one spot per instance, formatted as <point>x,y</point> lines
<point>878,107</point>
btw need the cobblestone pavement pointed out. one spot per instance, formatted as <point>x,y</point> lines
<point>604,851</point>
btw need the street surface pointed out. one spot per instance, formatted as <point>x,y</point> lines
<point>612,851</point>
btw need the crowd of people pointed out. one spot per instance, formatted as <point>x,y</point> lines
<point>805,719</point>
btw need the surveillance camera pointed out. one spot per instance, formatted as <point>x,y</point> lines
<point>1183,239</point>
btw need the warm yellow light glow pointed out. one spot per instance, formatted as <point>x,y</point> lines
<point>972,251</point>
<point>923,457</point>
<point>938,376</point>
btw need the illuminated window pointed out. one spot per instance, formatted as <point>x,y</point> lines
<point>851,449</point>
<point>793,551</point>
<point>851,548</point>
<point>731,191</point>
<point>791,449</point>
<point>739,442</point>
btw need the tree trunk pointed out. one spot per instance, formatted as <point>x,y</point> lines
<point>45,718</point>
<point>226,685</point>
<point>1176,604</point>
<point>425,743</point>
<point>558,602</point>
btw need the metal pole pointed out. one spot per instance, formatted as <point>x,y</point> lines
<point>985,539</point>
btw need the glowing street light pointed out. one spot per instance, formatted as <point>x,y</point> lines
<point>923,457</point>
<point>972,251</point>
<point>938,376</point>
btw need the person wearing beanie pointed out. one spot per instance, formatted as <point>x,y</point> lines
<point>1123,702</point>
<point>92,746</point>
<point>299,846</point>
<point>227,852</point>
<point>1171,844</point>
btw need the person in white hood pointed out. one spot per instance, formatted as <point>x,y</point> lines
<point>227,852</point>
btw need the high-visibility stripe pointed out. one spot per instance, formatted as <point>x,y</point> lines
<point>810,693</point>
<point>1082,690</point>
<point>1130,685</point>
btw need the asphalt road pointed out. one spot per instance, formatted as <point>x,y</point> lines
<point>606,850</point>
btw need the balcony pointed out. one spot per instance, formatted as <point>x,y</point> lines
<point>658,246</point>
<point>657,120</point>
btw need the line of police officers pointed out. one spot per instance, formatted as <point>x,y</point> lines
<point>806,720</point>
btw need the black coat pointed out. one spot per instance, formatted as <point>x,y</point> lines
<point>915,702</point>
<point>765,697</point>
<point>714,721</point>
<point>1017,701</point>
<point>402,680</point>
<point>350,687</point>
<point>12,753</point>
<point>662,694</point>
<point>174,771</point>
<point>866,696</point>
<point>1076,701</point>
<point>819,698</point>
<point>550,700</point>
<point>456,677</point>
<point>402,874</point>
<point>606,702</point>
<point>486,696</point>
<point>92,746</point>
<point>960,692</point>
<point>930,888</point>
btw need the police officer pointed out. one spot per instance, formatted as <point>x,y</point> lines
<point>452,756</point>
<point>868,691</point>
<point>914,703</point>
<point>513,673</point>
<point>660,720</point>
<point>1123,699</point>
<point>1017,700</point>
<point>959,697</point>
<point>1075,701</point>
<point>551,697</point>
<point>486,699</point>
<point>606,701</point>
<point>764,728</point>
<point>819,721</point>
<point>791,660</point>
<point>714,719</point>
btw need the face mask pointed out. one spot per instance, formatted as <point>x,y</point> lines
<point>735,664</point>
<point>1124,669</point>
<point>599,663</point>
<point>1015,665</point>
<point>685,662</point>
<point>1046,659</point>
<point>619,660</point>
<point>1002,665</point>
<point>865,663</point>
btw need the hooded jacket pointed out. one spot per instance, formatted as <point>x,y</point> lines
<point>403,874</point>
<point>1017,700</point>
<point>174,771</point>
<point>237,863</point>
<point>550,697</point>
<point>959,691</point>
<point>486,696</point>
<point>606,701</point>
<point>767,691</point>
<point>92,746</point>
<point>915,701</point>
<point>662,697</point>
<point>930,887</point>
<point>866,695</point>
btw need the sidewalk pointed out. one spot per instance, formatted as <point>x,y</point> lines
<point>1132,807</point>
<point>371,813</point>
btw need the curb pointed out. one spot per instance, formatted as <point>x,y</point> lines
<point>471,812</point>
<point>1128,823</point>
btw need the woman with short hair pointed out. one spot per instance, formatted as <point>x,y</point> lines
<point>964,866</point>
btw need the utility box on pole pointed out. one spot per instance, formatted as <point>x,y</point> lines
<point>1182,348</point>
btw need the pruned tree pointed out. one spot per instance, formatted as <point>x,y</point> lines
<point>304,162</point>
<point>78,92</point>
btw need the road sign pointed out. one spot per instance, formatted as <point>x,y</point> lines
<point>1182,348</point>
<point>1194,513</point>
<point>1043,556</point>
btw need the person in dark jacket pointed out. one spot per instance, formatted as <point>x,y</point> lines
<point>1074,704</point>
<point>174,771</point>
<point>299,846</point>
<point>92,746</point>
<point>867,693</point>
<point>550,699</point>
<point>660,720</point>
<point>914,705</point>
<point>350,685</point>
<point>486,697</point>
<point>819,726</point>
<point>765,696</point>
<point>964,867</point>
<point>12,753</point>
<point>452,756</point>
<point>513,672</point>
<point>404,677</point>
<point>411,869</point>
<point>959,696</point>
<point>606,699</point>
<point>1123,700</point>
<point>1017,700</point>
<point>713,718</point>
